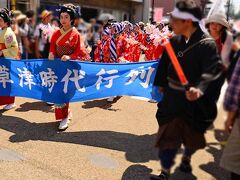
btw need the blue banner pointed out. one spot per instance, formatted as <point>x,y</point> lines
<point>74,81</point>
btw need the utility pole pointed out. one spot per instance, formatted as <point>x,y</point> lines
<point>152,16</point>
<point>228,8</point>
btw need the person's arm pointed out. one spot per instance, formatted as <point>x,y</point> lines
<point>231,116</point>
<point>97,53</point>
<point>210,65</point>
<point>24,36</point>
<point>232,95</point>
<point>27,45</point>
<point>37,51</point>
<point>52,50</point>
<point>36,38</point>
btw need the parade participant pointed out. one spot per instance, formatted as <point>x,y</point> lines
<point>30,33</point>
<point>231,154</point>
<point>131,44</point>
<point>137,47</point>
<point>148,43</point>
<point>138,33</point>
<point>142,25</point>
<point>8,49</point>
<point>22,39</point>
<point>128,27</point>
<point>117,46</point>
<point>66,45</point>
<point>160,26</point>
<point>102,52</point>
<point>153,51</point>
<point>218,28</point>
<point>182,116</point>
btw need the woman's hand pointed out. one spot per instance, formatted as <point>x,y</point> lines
<point>51,56</point>
<point>38,55</point>
<point>1,53</point>
<point>65,58</point>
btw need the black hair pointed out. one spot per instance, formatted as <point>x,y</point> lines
<point>30,13</point>
<point>108,24</point>
<point>195,24</point>
<point>223,35</point>
<point>70,11</point>
<point>56,19</point>
<point>4,14</point>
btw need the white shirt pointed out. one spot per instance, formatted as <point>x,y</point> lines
<point>46,30</point>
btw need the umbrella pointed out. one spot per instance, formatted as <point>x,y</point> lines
<point>106,17</point>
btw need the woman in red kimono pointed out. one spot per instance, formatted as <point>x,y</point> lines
<point>137,50</point>
<point>8,49</point>
<point>102,52</point>
<point>65,44</point>
<point>149,52</point>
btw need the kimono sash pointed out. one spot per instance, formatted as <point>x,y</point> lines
<point>63,50</point>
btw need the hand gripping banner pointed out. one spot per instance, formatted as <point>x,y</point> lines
<point>74,81</point>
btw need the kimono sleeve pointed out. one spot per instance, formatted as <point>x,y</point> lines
<point>11,44</point>
<point>80,53</point>
<point>97,53</point>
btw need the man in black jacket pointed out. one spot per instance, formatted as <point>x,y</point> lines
<point>184,114</point>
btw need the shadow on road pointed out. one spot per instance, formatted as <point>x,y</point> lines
<point>136,172</point>
<point>102,103</point>
<point>215,149</point>
<point>38,106</point>
<point>138,149</point>
<point>183,176</point>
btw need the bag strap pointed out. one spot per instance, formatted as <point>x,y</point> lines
<point>182,53</point>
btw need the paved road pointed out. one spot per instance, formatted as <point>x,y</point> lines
<point>106,141</point>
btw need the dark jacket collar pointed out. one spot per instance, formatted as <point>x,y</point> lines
<point>196,36</point>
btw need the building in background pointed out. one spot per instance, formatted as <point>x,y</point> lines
<point>157,10</point>
<point>3,3</point>
<point>131,10</point>
<point>161,9</point>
